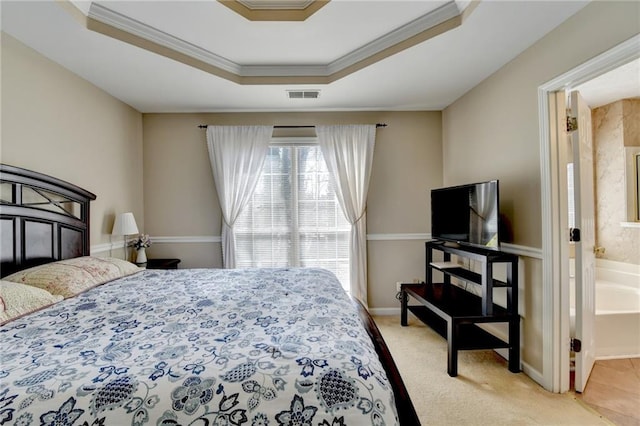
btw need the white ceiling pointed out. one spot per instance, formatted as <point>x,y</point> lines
<point>428,76</point>
<point>620,83</point>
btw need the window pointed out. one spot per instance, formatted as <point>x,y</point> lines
<point>294,218</point>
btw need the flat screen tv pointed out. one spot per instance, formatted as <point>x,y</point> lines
<point>466,214</point>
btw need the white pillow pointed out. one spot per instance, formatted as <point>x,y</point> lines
<point>72,276</point>
<point>17,300</point>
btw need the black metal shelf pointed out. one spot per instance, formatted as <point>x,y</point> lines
<point>453,312</point>
<point>470,336</point>
<point>452,301</point>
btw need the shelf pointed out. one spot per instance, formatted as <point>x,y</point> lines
<point>470,336</point>
<point>453,312</point>
<point>465,274</point>
<point>475,253</point>
<point>451,301</point>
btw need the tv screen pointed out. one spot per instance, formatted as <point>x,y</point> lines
<point>466,214</point>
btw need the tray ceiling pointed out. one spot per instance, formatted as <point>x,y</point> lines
<point>186,56</point>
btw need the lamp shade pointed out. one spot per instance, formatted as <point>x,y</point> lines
<point>125,224</point>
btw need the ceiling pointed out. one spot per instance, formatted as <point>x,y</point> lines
<point>620,83</point>
<point>202,56</point>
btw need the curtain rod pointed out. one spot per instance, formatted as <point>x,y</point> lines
<point>204,126</point>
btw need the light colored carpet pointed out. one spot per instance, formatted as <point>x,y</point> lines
<point>485,392</point>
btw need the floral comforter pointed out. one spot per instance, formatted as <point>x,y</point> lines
<point>196,347</point>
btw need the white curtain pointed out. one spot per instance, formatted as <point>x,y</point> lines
<point>237,154</point>
<point>348,151</point>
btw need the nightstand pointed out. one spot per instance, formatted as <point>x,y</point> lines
<point>163,263</point>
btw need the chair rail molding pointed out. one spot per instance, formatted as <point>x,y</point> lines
<point>525,251</point>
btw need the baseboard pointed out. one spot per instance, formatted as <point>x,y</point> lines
<point>532,373</point>
<point>384,311</point>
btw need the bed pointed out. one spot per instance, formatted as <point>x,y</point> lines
<point>98,341</point>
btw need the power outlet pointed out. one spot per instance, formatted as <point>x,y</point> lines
<point>398,284</point>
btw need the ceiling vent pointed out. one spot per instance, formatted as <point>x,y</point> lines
<point>303,94</point>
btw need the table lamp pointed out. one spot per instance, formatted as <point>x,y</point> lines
<point>125,224</point>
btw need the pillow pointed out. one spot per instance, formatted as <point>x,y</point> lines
<point>72,276</point>
<point>20,299</point>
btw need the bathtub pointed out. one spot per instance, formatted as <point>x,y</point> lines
<point>617,322</point>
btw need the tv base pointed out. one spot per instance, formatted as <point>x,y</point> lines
<point>453,311</point>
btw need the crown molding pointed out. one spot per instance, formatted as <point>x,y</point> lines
<point>111,18</point>
<point>398,36</point>
<point>116,25</point>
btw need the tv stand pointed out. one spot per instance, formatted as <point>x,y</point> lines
<point>454,312</point>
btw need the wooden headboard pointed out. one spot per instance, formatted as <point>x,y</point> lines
<point>42,219</point>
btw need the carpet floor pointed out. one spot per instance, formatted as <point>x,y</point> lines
<point>485,392</point>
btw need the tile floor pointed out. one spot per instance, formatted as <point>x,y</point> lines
<point>613,390</point>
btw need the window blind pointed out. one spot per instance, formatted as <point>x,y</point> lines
<point>294,218</point>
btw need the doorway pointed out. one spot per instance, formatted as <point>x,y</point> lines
<point>555,238</point>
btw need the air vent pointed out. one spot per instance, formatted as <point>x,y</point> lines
<point>303,94</point>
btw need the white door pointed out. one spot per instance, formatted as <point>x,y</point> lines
<point>584,249</point>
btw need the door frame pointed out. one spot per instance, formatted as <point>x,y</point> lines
<point>555,301</point>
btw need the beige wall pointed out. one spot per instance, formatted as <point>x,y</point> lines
<point>181,201</point>
<point>493,132</point>
<point>57,123</point>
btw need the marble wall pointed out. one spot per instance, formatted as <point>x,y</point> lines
<point>615,126</point>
